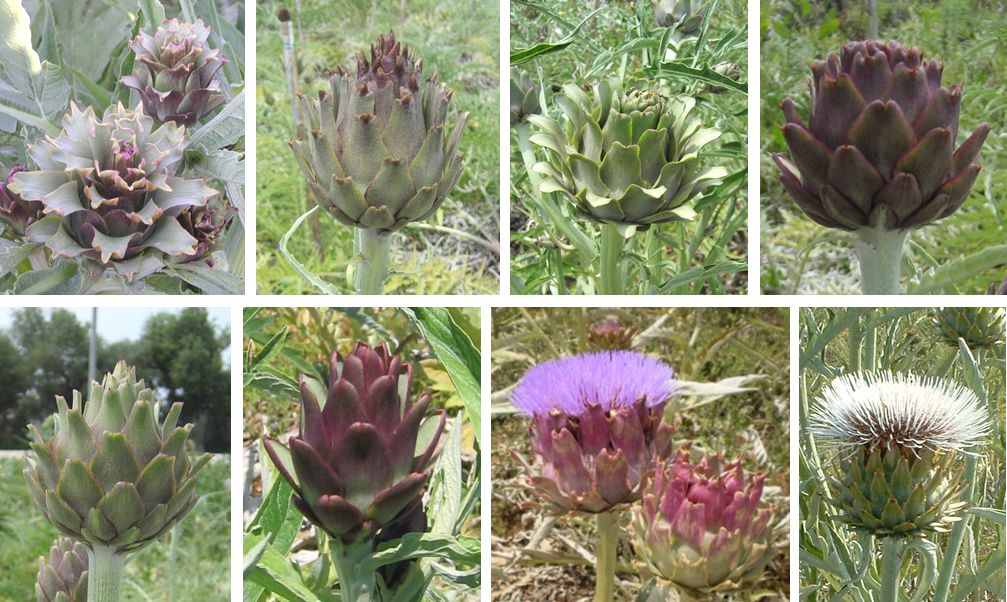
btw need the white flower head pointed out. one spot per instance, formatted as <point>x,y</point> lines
<point>880,410</point>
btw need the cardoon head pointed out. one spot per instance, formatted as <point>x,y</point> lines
<point>703,526</point>
<point>878,147</point>
<point>595,427</point>
<point>897,439</point>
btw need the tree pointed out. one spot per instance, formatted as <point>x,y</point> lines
<point>13,382</point>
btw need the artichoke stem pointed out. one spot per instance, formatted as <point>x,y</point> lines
<point>371,268</point>
<point>355,585</point>
<point>891,564</point>
<point>604,563</point>
<point>104,573</point>
<point>880,254</point>
<point>612,242</point>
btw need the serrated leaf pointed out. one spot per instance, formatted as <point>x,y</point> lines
<point>62,279</point>
<point>459,550</point>
<point>223,130</point>
<point>30,89</point>
<point>209,280</point>
<point>275,573</point>
<point>446,489</point>
<point>224,165</point>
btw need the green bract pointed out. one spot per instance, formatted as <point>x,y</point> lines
<point>110,191</point>
<point>111,476</point>
<point>377,154</point>
<point>524,99</point>
<point>63,578</point>
<point>684,15</point>
<point>627,158</point>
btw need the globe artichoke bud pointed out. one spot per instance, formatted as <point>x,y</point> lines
<point>609,334</point>
<point>878,149</point>
<point>110,188</point>
<point>16,212</point>
<point>980,327</point>
<point>731,70</point>
<point>64,577</point>
<point>627,158</point>
<point>206,224</point>
<point>111,476</point>
<point>378,155</point>
<point>353,464</point>
<point>175,72</point>
<point>686,16</point>
<point>897,441</point>
<point>703,526</point>
<point>596,427</point>
<point>524,100</point>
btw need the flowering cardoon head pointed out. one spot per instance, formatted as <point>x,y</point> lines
<point>175,72</point>
<point>16,212</point>
<point>596,427</point>
<point>609,334</point>
<point>896,439</point>
<point>110,183</point>
<point>701,526</point>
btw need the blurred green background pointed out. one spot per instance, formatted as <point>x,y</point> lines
<point>458,39</point>
<point>970,38</point>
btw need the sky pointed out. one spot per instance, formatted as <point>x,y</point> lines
<point>122,323</point>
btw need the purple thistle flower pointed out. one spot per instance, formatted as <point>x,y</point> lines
<point>596,427</point>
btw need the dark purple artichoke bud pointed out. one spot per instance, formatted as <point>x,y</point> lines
<point>63,578</point>
<point>175,72</point>
<point>609,334</point>
<point>16,212</point>
<point>205,224</point>
<point>353,464</point>
<point>702,526</point>
<point>595,426</point>
<point>878,150</point>
<point>112,183</point>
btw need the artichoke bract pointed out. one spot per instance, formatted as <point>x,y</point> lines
<point>380,151</point>
<point>897,441</point>
<point>111,476</point>
<point>609,334</point>
<point>596,427</point>
<point>109,189</point>
<point>16,212</point>
<point>980,327</point>
<point>63,578</point>
<point>703,525</point>
<point>878,149</point>
<point>353,464</point>
<point>524,100</point>
<point>627,158</point>
<point>175,72</point>
<point>206,224</point>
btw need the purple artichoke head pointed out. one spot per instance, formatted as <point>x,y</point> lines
<point>878,148</point>
<point>175,72</point>
<point>354,465</point>
<point>703,526</point>
<point>206,224</point>
<point>596,427</point>
<point>16,212</point>
<point>110,183</point>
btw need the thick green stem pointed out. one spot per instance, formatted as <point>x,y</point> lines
<point>371,266</point>
<point>891,564</point>
<point>950,558</point>
<point>604,564</point>
<point>356,583</point>
<point>612,242</point>
<point>104,573</point>
<point>880,254</point>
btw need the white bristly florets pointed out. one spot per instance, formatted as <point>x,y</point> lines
<point>881,410</point>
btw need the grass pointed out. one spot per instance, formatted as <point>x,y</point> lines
<point>190,562</point>
<point>968,36</point>
<point>459,40</point>
<point>702,345</point>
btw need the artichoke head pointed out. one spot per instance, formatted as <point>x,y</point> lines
<point>379,151</point>
<point>111,475</point>
<point>878,148</point>
<point>16,212</point>
<point>175,72</point>
<point>354,465</point>
<point>64,577</point>
<point>627,158</point>
<point>109,189</point>
<point>609,334</point>
<point>684,15</point>
<point>981,327</point>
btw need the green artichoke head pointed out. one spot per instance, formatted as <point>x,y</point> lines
<point>380,151</point>
<point>112,476</point>
<point>980,327</point>
<point>63,578</point>
<point>628,158</point>
<point>878,148</point>
<point>524,100</point>
<point>110,191</point>
<point>684,15</point>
